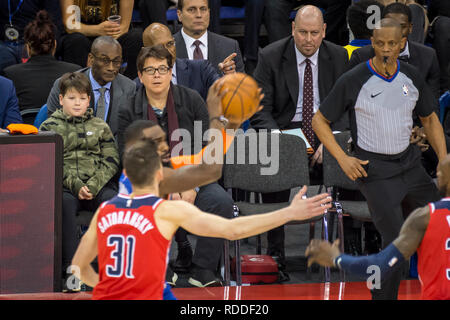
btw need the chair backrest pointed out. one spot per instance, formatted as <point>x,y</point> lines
<point>28,115</point>
<point>266,162</point>
<point>333,176</point>
<point>444,103</point>
<point>41,116</point>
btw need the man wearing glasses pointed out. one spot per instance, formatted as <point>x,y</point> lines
<point>110,89</point>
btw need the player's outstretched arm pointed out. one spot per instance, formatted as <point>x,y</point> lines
<point>86,252</point>
<point>174,214</point>
<point>411,234</point>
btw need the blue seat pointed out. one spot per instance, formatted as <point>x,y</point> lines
<point>41,116</point>
<point>444,103</point>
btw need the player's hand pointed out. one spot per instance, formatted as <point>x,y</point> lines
<point>306,208</point>
<point>85,194</point>
<point>189,196</point>
<point>228,65</point>
<point>214,99</point>
<point>353,167</point>
<point>322,252</point>
<point>317,157</point>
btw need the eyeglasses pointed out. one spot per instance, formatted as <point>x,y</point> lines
<point>106,61</point>
<point>161,70</point>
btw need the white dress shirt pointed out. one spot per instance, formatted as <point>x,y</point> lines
<point>301,64</point>
<point>190,47</point>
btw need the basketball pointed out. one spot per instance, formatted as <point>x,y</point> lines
<point>242,99</point>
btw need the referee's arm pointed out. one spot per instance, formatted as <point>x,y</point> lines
<point>435,134</point>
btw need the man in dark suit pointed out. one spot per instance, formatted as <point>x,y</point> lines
<point>194,41</point>
<point>9,107</point>
<point>110,89</point>
<point>198,75</point>
<point>296,74</point>
<point>422,57</point>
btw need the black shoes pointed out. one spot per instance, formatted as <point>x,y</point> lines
<point>204,278</point>
<point>72,284</point>
<point>171,277</point>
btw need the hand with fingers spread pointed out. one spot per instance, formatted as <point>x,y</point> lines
<point>353,167</point>
<point>228,65</point>
<point>214,99</point>
<point>322,252</point>
<point>306,208</point>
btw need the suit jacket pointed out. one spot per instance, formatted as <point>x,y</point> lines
<point>122,90</point>
<point>9,107</point>
<point>34,80</point>
<point>219,47</point>
<point>277,75</point>
<point>189,107</point>
<point>198,75</point>
<point>422,57</point>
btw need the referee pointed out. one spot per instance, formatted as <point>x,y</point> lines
<point>381,96</point>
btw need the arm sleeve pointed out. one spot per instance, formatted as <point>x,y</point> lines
<point>109,162</point>
<point>427,103</point>
<point>53,98</point>
<point>339,99</point>
<point>12,112</point>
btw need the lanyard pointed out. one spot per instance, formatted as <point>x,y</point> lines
<point>15,11</point>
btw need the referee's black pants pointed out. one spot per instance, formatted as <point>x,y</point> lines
<point>386,199</point>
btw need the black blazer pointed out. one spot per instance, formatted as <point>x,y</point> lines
<point>189,107</point>
<point>219,47</point>
<point>34,79</point>
<point>277,75</point>
<point>422,57</point>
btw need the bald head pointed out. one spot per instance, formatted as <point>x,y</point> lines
<point>309,13</point>
<point>443,176</point>
<point>104,41</point>
<point>159,34</point>
<point>308,30</point>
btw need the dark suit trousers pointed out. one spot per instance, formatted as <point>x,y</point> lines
<point>75,48</point>
<point>211,198</point>
<point>387,199</point>
<point>70,207</point>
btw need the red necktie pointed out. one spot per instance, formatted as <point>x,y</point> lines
<point>198,55</point>
<point>308,103</point>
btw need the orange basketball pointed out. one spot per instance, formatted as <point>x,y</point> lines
<point>242,98</point>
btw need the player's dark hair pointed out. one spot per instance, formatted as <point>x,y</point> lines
<point>180,4</point>
<point>134,131</point>
<point>158,52</point>
<point>141,161</point>
<point>399,8</point>
<point>357,17</point>
<point>39,34</point>
<point>74,80</point>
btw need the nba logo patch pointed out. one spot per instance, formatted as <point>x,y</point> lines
<point>405,90</point>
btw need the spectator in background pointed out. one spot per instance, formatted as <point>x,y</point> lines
<point>110,89</point>
<point>34,79</point>
<point>9,107</point>
<point>15,16</point>
<point>358,17</point>
<point>278,22</point>
<point>154,11</point>
<point>76,43</point>
<point>194,41</point>
<point>90,155</point>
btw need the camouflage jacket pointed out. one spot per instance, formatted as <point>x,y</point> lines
<point>91,157</point>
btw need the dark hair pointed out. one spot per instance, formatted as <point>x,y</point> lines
<point>357,17</point>
<point>141,161</point>
<point>39,34</point>
<point>102,40</point>
<point>180,4</point>
<point>399,8</point>
<point>158,52</point>
<point>74,80</point>
<point>134,131</point>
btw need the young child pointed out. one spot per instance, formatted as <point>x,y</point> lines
<point>91,158</point>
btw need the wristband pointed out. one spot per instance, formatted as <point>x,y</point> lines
<point>221,119</point>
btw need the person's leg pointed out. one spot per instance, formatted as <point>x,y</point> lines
<point>384,199</point>
<point>131,43</point>
<point>70,207</point>
<point>184,256</point>
<point>75,48</point>
<point>153,11</point>
<point>214,199</point>
<point>276,16</point>
<point>441,44</point>
<point>254,11</point>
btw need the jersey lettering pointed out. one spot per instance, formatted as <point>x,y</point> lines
<point>122,252</point>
